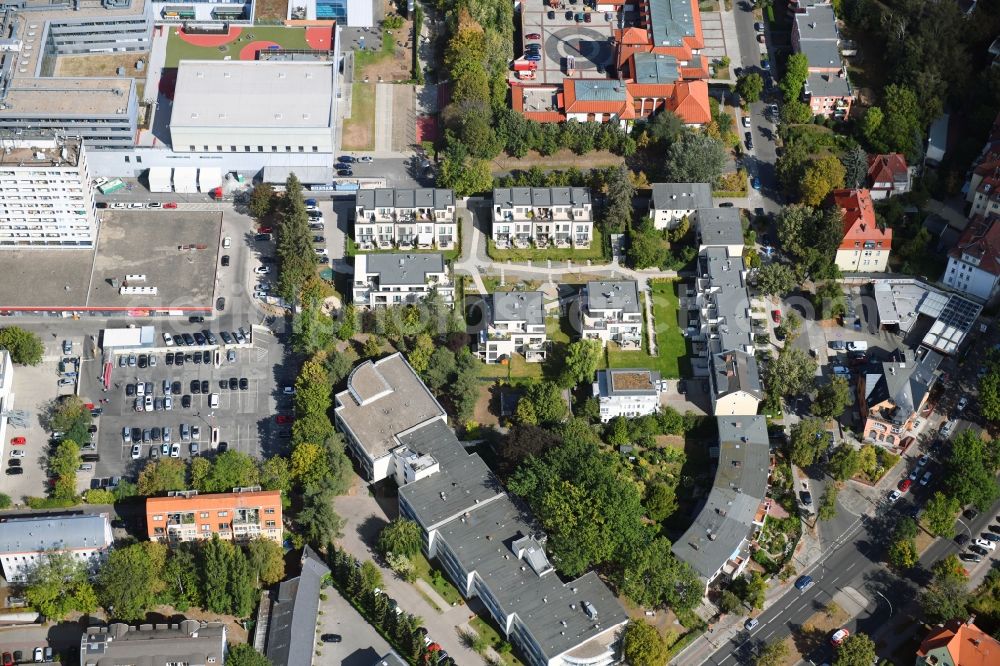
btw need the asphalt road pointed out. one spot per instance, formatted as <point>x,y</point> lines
<point>854,561</point>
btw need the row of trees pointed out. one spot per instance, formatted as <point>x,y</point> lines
<point>215,574</point>
<point>220,473</point>
<point>592,510</point>
<point>297,261</point>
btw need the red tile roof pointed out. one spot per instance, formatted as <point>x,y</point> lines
<point>967,644</point>
<point>981,241</point>
<point>884,168</point>
<point>692,102</point>
<point>859,219</point>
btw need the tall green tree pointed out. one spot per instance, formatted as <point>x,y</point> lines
<point>581,362</point>
<point>901,121</point>
<point>402,537</point>
<point>751,588</point>
<point>216,558</point>
<point>652,576</point>
<point>129,582</point>
<point>231,469</point>
<point>940,514</point>
<point>749,86</point>
<point>989,392</point>
<point>791,373</point>
<point>642,645</point>
<point>242,584</point>
<point>808,441</point>
<point>855,163</point>
<point>243,654</point>
<point>695,158</point>
<point>971,470</point>
<point>57,584</point>
<point>844,462</point>
<point>24,347</point>
<point>621,192</point>
<point>297,260</point>
<point>832,399</point>
<point>821,176</point>
<point>946,597</point>
<point>267,561</point>
<point>775,279</point>
<point>261,200</point>
<point>857,650</point>
<point>161,476</point>
<point>771,654</point>
<point>548,402</point>
<point>796,73</point>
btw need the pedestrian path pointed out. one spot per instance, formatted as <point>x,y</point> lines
<point>384,93</point>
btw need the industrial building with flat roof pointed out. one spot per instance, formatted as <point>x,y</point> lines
<point>46,195</point>
<point>485,541</point>
<point>233,106</point>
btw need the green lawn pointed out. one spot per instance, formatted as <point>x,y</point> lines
<point>439,583</point>
<point>594,252</point>
<point>518,368</point>
<point>359,130</point>
<point>370,57</point>
<point>289,38</point>
<point>486,630</point>
<point>671,346</point>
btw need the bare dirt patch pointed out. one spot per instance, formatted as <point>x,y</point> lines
<point>101,65</point>
<point>271,10</point>
<point>814,632</point>
<point>487,406</point>
<point>392,62</point>
<point>561,159</point>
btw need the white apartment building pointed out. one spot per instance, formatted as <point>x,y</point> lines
<point>388,218</point>
<point>974,262</point>
<point>398,279</point>
<point>46,195</point>
<point>671,202</point>
<point>23,540</point>
<point>516,325</point>
<point>609,311</point>
<point>543,217</point>
<point>628,392</point>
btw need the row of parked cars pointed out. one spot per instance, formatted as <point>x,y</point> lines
<point>38,656</point>
<point>982,547</point>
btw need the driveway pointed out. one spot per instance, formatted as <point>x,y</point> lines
<point>360,644</point>
<point>364,518</point>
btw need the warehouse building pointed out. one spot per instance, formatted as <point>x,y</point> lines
<point>254,107</point>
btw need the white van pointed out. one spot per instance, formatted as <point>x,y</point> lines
<point>213,400</point>
<point>857,345</point>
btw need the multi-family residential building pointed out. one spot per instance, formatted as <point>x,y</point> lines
<point>888,175</point>
<point>628,392</point>
<point>718,542</point>
<point>516,325</point>
<point>865,246</point>
<point>286,619</point>
<point>672,202</point>
<point>187,515</point>
<point>25,539</point>
<point>974,262</point>
<point>610,312</point>
<point>388,218</point>
<point>720,326</point>
<point>398,279</point>
<point>827,89</point>
<point>383,399</point>
<point>187,642</point>
<point>958,643</point>
<point>892,394</point>
<point>543,216</point>
<point>982,191</point>
<point>46,195</point>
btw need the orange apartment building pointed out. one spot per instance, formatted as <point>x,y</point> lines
<point>237,516</point>
<point>658,65</point>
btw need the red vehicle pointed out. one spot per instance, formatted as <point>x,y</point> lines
<point>283,418</point>
<point>8,659</point>
<point>170,204</point>
<point>264,230</point>
<point>19,441</point>
<point>776,316</point>
<point>525,66</point>
<point>904,485</point>
<point>532,35</point>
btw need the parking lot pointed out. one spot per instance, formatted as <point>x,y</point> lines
<point>242,416</point>
<point>571,29</point>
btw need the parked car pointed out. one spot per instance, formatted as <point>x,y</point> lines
<point>803,583</point>
<point>839,637</point>
<point>904,485</point>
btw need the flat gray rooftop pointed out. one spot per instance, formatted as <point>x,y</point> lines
<point>76,96</point>
<point>720,226</point>
<point>526,306</point>
<point>34,534</point>
<point>382,400</point>
<point>613,295</point>
<point>399,268</point>
<point>681,196</point>
<point>128,243</point>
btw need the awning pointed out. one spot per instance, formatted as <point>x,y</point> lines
<point>186,180</point>
<point>209,178</point>
<point>307,175</point>
<point>160,179</point>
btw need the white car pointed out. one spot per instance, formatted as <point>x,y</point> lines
<point>227,242</point>
<point>963,402</point>
<point>126,434</point>
<point>136,451</point>
<point>893,496</point>
<point>288,390</point>
<point>947,428</point>
<point>140,389</point>
<point>746,121</point>
<point>168,339</point>
<point>17,453</point>
<point>925,479</point>
<point>168,403</point>
<point>984,543</point>
<point>262,270</point>
<point>148,404</point>
<point>321,251</point>
<point>175,450</point>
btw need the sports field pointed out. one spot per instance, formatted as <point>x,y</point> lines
<point>243,43</point>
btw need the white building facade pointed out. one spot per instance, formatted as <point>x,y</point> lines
<point>610,312</point>
<point>24,540</point>
<point>46,196</point>
<point>543,217</point>
<point>627,392</point>
<point>398,279</point>
<point>388,218</point>
<point>516,325</point>
<point>974,262</point>
<point>672,202</point>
